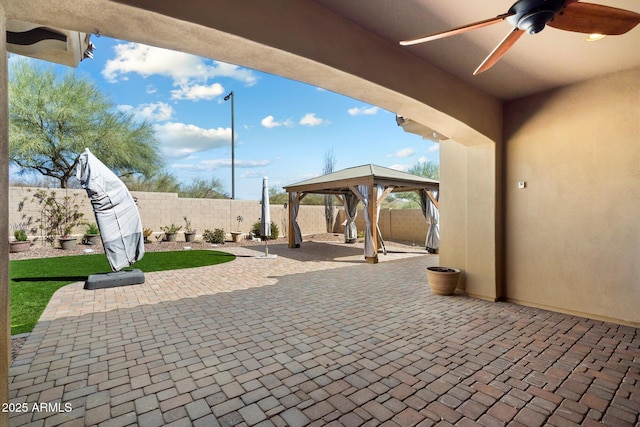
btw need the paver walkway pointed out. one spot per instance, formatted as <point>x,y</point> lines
<point>317,337</point>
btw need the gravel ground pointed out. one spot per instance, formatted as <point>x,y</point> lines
<point>38,250</point>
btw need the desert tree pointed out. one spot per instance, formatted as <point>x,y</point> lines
<point>53,119</point>
<point>410,200</point>
<point>202,189</point>
<point>329,165</point>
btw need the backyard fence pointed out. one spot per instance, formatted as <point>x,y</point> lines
<point>163,209</point>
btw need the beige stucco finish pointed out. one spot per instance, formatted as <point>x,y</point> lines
<point>469,209</point>
<point>573,234</point>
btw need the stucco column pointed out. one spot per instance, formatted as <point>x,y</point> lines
<point>5,334</point>
<point>469,208</point>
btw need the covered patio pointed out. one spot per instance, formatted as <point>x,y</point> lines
<point>308,340</point>
<point>370,185</point>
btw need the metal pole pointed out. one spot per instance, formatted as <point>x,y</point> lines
<point>233,154</point>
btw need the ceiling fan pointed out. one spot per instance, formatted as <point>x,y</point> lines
<point>533,15</point>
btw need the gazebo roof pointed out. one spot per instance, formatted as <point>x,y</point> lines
<point>340,181</point>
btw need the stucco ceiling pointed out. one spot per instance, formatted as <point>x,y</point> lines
<point>549,59</point>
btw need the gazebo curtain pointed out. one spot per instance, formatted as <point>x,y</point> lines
<point>432,216</point>
<point>295,207</point>
<point>350,202</point>
<point>369,250</point>
<point>379,192</point>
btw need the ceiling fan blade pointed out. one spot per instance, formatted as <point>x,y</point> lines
<point>458,30</point>
<point>592,18</point>
<point>499,50</point>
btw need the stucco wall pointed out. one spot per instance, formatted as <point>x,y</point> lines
<point>572,236</point>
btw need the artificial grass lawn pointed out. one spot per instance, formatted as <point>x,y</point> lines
<point>33,281</point>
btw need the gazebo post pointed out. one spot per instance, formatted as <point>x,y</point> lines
<point>373,215</point>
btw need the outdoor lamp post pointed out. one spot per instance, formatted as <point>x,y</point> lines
<point>233,177</point>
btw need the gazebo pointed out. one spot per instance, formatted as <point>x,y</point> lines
<point>369,184</point>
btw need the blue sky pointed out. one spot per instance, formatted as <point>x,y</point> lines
<point>283,128</point>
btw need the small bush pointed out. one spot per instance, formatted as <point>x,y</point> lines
<point>171,229</point>
<point>215,236</point>
<point>275,231</point>
<point>20,235</point>
<point>92,229</point>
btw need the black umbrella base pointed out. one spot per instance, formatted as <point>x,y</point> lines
<point>114,279</point>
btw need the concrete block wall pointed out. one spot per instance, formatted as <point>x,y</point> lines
<point>398,225</point>
<point>31,210</point>
<point>162,209</point>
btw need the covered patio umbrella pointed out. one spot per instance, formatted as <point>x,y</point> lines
<point>265,219</point>
<point>115,210</point>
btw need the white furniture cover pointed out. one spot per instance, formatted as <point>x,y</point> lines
<point>116,212</point>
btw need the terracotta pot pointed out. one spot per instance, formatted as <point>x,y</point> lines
<point>443,280</point>
<point>18,246</point>
<point>189,237</point>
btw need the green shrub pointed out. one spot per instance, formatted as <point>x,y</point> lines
<point>20,235</point>
<point>275,231</point>
<point>92,229</point>
<point>215,236</point>
<point>171,229</point>
<point>58,218</point>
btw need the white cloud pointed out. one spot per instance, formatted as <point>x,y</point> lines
<point>310,119</point>
<point>435,147</point>
<point>405,152</point>
<point>153,112</point>
<point>402,168</point>
<point>195,92</point>
<point>184,69</point>
<point>269,122</point>
<point>222,69</point>
<point>358,111</point>
<point>180,140</point>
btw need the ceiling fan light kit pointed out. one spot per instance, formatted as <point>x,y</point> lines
<point>595,37</point>
<point>532,16</point>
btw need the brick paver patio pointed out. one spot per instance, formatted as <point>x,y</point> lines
<point>317,337</point>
